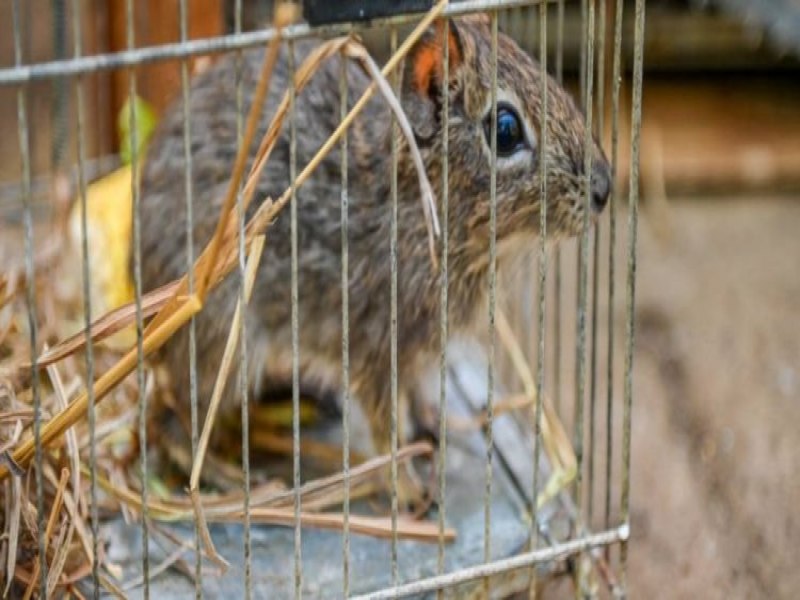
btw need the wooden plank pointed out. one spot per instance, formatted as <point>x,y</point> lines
<point>99,136</point>
<point>717,135</point>
<point>37,28</point>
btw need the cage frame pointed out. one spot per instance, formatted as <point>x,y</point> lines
<point>73,69</point>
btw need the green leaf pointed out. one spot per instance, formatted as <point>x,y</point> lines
<point>145,124</point>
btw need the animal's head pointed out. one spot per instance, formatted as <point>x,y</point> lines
<point>518,135</point>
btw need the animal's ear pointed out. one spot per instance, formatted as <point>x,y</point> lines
<point>427,57</point>
<point>423,77</point>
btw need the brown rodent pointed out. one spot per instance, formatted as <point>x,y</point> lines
<point>268,316</point>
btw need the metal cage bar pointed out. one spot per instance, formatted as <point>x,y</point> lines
<point>23,133</point>
<point>491,351</point>
<point>443,304</point>
<point>345,225</point>
<point>298,556</point>
<point>138,293</point>
<point>183,11</point>
<point>616,78</point>
<point>21,73</point>
<point>244,392</point>
<point>87,296</point>
<point>541,303</point>
<point>393,320</point>
<point>506,565</point>
<point>630,295</point>
<point>598,227</point>
<point>583,264</point>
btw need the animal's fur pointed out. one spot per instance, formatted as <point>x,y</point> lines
<point>268,317</point>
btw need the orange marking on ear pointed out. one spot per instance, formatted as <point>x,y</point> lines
<point>427,61</point>
<point>428,58</point>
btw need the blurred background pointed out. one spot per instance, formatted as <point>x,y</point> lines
<point>716,446</point>
<point>722,81</point>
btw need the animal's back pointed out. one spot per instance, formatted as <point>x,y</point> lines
<point>269,316</point>
<point>213,135</point>
<point>213,146</point>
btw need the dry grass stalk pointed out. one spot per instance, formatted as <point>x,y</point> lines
<point>275,508</point>
<point>20,421</point>
<point>75,519</point>
<point>319,489</point>
<point>107,325</point>
<point>181,508</point>
<point>426,197</point>
<point>72,438</point>
<point>253,260</point>
<point>61,550</point>
<point>381,527</point>
<point>18,415</point>
<point>13,517</point>
<point>51,523</point>
<point>65,419</point>
<point>161,567</point>
<point>179,308</point>
<point>554,438</point>
<point>222,474</point>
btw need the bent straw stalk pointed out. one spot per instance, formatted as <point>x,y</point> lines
<point>181,308</point>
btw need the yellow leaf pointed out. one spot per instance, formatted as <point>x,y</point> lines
<point>108,215</point>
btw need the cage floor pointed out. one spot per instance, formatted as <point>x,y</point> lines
<point>370,563</point>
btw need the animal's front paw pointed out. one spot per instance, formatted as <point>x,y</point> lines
<point>413,494</point>
<point>427,421</point>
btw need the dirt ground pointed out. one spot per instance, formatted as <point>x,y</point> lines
<point>716,423</point>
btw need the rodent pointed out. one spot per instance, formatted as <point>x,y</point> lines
<point>268,316</point>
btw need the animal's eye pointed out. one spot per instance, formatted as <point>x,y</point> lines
<point>510,136</point>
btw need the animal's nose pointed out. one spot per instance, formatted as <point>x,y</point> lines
<point>601,185</point>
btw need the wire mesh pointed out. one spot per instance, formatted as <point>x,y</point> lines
<point>592,74</point>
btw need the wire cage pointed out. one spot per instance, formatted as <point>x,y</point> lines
<point>529,464</point>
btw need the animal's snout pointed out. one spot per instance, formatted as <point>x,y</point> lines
<point>601,185</point>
